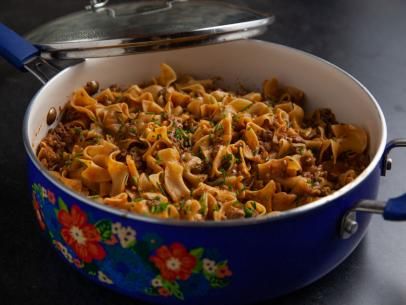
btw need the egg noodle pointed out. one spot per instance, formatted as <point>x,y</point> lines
<point>179,147</point>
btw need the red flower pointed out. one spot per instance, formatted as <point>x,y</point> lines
<point>164,292</point>
<point>80,235</point>
<point>112,241</point>
<point>38,213</point>
<point>174,262</point>
<point>223,271</point>
<point>51,197</point>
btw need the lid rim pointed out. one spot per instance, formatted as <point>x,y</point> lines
<point>188,22</point>
<point>230,28</point>
<point>142,47</point>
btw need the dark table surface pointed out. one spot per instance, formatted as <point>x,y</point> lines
<point>365,37</point>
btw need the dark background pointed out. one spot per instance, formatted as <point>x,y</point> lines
<point>365,37</point>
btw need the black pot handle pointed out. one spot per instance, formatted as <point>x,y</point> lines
<point>393,209</point>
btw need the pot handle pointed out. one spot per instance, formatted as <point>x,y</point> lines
<point>15,49</point>
<point>393,209</point>
<point>24,56</point>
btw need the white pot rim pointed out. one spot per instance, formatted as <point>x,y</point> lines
<point>375,162</point>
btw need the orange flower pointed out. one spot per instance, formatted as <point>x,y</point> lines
<point>174,262</point>
<point>164,292</point>
<point>223,271</point>
<point>51,197</point>
<point>80,235</point>
<point>38,213</point>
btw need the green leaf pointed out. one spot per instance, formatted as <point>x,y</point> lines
<point>170,285</point>
<point>222,263</point>
<point>36,188</point>
<point>90,268</point>
<point>197,252</point>
<point>198,267</point>
<point>179,295</point>
<point>216,282</point>
<point>173,288</point>
<point>62,205</point>
<point>56,212</point>
<point>208,276</point>
<point>131,244</point>
<point>104,228</point>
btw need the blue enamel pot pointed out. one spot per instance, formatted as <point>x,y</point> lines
<point>231,262</point>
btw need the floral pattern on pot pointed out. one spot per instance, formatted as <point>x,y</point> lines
<point>114,254</point>
<point>82,237</point>
<point>177,264</point>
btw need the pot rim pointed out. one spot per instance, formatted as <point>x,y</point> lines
<point>232,222</point>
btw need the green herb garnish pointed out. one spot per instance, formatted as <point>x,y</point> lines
<point>133,131</point>
<point>79,132</point>
<point>224,175</point>
<point>226,161</point>
<point>156,121</point>
<point>219,128</point>
<point>161,189</point>
<point>134,180</point>
<point>203,205</point>
<point>159,208</point>
<point>158,160</point>
<point>312,182</point>
<point>248,212</point>
<point>182,136</point>
<point>246,107</point>
<point>95,140</point>
<point>237,203</point>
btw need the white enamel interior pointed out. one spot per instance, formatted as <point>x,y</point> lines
<point>247,62</point>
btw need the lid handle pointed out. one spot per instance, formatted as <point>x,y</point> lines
<point>96,4</point>
<point>100,6</point>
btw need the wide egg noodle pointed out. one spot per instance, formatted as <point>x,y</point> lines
<point>179,147</point>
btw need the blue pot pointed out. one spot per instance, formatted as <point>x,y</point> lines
<point>260,259</point>
<point>231,262</point>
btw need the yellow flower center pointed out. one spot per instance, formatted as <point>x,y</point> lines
<point>173,264</point>
<point>77,235</point>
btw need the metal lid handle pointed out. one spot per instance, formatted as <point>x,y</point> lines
<point>96,4</point>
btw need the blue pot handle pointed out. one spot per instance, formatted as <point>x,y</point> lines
<point>14,48</point>
<point>395,208</point>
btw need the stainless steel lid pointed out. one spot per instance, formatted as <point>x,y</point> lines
<point>110,30</point>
